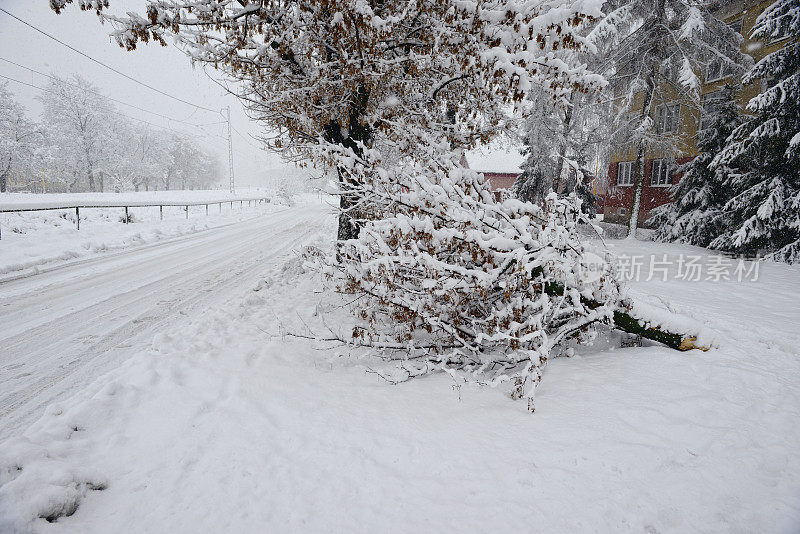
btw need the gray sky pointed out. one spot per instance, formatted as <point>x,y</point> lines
<point>165,68</point>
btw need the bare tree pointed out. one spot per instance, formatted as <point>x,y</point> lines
<point>19,137</point>
<point>78,120</point>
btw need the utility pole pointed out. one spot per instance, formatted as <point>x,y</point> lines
<point>230,148</point>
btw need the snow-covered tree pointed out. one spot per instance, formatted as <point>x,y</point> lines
<point>540,133</point>
<point>557,142</point>
<point>388,93</point>
<point>448,279</point>
<point>83,143</point>
<point>696,214</point>
<point>187,165</point>
<point>764,207</point>
<point>654,52</point>
<point>20,138</point>
<point>79,124</point>
<point>453,281</point>
<point>149,150</point>
<point>342,72</point>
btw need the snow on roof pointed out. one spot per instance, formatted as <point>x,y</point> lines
<point>496,157</point>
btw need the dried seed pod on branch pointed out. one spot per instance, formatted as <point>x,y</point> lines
<point>454,281</point>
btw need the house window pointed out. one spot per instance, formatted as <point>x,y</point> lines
<point>710,103</point>
<point>625,173</point>
<point>668,118</point>
<point>661,174</point>
<point>717,70</point>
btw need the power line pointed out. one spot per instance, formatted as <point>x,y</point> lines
<point>246,140</point>
<point>52,77</point>
<point>106,66</point>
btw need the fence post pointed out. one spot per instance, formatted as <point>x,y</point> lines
<point>187,212</point>
<point>78,217</point>
<point>220,207</point>
<point>161,212</point>
<point>206,209</point>
<point>126,214</point>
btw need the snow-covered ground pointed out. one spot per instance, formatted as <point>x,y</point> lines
<point>64,327</point>
<point>227,423</point>
<point>33,239</point>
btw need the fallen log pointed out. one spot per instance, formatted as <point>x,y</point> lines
<point>626,322</point>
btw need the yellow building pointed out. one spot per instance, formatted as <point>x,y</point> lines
<point>678,120</point>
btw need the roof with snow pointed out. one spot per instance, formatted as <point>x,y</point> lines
<point>496,157</point>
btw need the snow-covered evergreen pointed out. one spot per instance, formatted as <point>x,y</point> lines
<point>654,50</point>
<point>764,207</point>
<point>696,215</point>
<point>540,133</point>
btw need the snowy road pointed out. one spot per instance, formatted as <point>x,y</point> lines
<point>63,328</point>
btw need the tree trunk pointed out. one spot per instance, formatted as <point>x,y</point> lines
<point>641,153</point>
<point>638,186</point>
<point>627,323</point>
<point>558,185</point>
<point>650,82</point>
<point>348,227</point>
<point>90,176</point>
<point>4,177</point>
<point>357,135</point>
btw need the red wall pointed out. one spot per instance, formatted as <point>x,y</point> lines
<point>622,197</point>
<point>501,180</point>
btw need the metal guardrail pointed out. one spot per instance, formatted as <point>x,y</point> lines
<point>77,205</point>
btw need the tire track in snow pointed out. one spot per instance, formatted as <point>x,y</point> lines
<point>52,355</point>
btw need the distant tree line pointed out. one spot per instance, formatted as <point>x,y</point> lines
<point>82,143</point>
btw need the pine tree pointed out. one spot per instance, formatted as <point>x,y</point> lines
<point>653,45</point>
<point>695,215</point>
<point>765,203</point>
